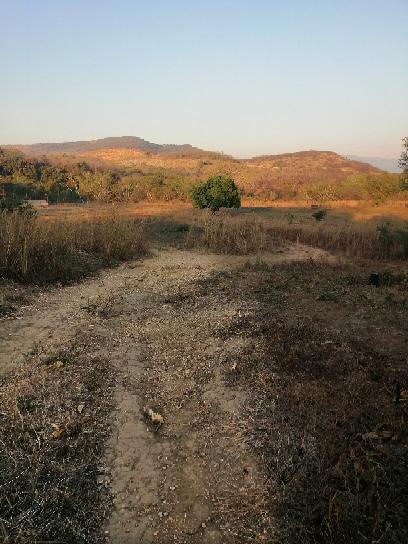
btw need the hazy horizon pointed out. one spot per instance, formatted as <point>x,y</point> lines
<point>245,78</point>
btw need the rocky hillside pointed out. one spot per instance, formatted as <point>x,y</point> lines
<point>256,174</point>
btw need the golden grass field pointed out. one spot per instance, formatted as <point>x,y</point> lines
<point>344,210</point>
<point>354,228</point>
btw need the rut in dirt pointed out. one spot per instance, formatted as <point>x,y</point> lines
<point>182,481</point>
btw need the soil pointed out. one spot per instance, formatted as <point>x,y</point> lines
<point>184,478</point>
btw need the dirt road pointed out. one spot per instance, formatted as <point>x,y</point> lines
<point>191,479</point>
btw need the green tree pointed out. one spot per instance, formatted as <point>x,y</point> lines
<point>215,193</point>
<point>403,162</point>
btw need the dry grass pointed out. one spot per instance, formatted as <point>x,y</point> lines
<point>350,210</point>
<point>337,467</point>
<point>229,234</point>
<point>96,210</point>
<point>52,427</point>
<point>243,233</point>
<point>397,208</point>
<point>34,251</point>
<point>350,228</point>
<point>327,406</point>
<point>352,240</point>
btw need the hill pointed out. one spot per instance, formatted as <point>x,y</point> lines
<point>257,175</point>
<point>132,169</point>
<point>122,142</point>
<point>130,151</point>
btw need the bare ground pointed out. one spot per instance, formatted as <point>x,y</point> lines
<point>185,480</point>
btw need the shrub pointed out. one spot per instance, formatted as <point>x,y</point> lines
<point>319,215</point>
<point>217,192</point>
<point>10,204</point>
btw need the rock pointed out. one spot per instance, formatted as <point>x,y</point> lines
<point>154,417</point>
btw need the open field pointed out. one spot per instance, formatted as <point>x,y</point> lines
<point>349,210</point>
<point>204,323</point>
<point>217,378</point>
<point>353,228</point>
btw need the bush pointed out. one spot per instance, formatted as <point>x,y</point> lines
<point>319,215</point>
<point>217,192</point>
<point>16,205</point>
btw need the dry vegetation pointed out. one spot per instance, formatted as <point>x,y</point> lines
<point>380,243</point>
<point>248,235</point>
<point>383,236</point>
<point>256,174</point>
<point>323,369</point>
<point>52,427</point>
<point>35,251</point>
<point>327,406</point>
<point>225,234</point>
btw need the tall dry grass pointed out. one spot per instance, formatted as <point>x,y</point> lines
<point>229,234</point>
<point>35,251</point>
<point>379,243</point>
<point>243,234</point>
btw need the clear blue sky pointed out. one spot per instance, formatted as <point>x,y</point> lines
<point>241,76</point>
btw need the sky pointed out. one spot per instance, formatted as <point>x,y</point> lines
<point>245,77</point>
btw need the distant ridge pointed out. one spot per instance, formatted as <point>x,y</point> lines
<point>114,142</point>
<point>389,165</point>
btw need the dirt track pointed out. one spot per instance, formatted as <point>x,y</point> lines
<point>180,482</point>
